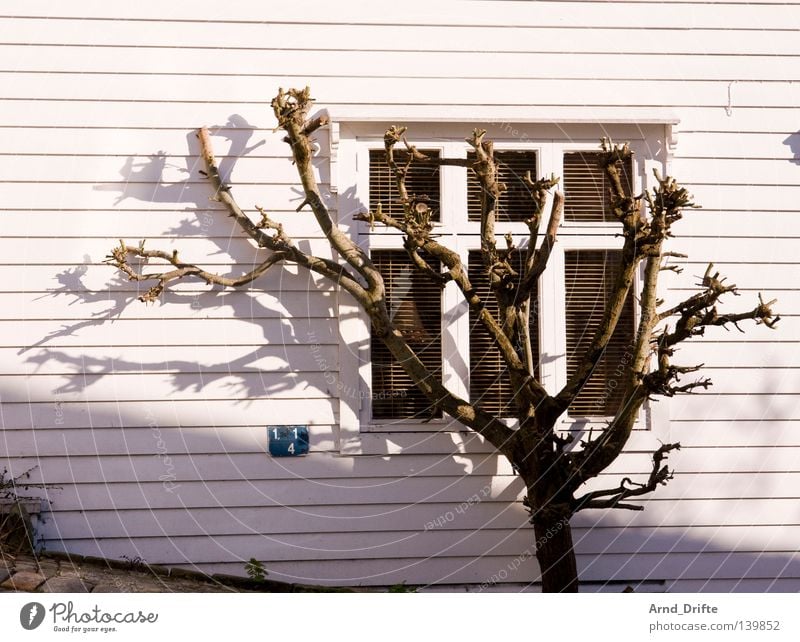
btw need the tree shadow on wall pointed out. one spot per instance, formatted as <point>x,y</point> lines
<point>793,143</point>
<point>284,316</point>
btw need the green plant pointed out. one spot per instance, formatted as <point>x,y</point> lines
<point>255,570</point>
<point>402,588</point>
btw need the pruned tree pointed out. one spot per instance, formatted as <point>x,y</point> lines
<point>553,466</point>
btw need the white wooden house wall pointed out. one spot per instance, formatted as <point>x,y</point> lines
<point>151,418</point>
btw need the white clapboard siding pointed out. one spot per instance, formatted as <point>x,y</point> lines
<point>736,145</point>
<point>183,386</point>
<point>741,585</point>
<point>184,89</point>
<point>299,548</point>
<point>149,170</point>
<point>296,492</point>
<point>152,418</point>
<point>514,14</point>
<point>762,273</point>
<point>593,531</point>
<point>209,305</point>
<point>460,570</point>
<point>196,522</point>
<point>192,330</point>
<point>70,410</point>
<point>144,196</point>
<point>76,280</point>
<point>200,359</point>
<point>718,406</point>
<point>308,493</point>
<point>263,39</point>
<point>187,116</point>
<point>251,466</point>
<point>135,224</point>
<point>136,64</point>
<point>223,250</point>
<point>727,354</point>
<point>234,140</point>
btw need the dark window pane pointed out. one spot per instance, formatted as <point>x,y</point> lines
<point>414,303</point>
<point>515,203</point>
<point>421,179</point>
<point>590,277</point>
<point>586,187</point>
<point>489,386</point>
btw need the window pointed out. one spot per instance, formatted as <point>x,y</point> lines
<point>568,302</point>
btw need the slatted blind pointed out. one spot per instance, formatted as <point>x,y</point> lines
<point>421,179</point>
<point>515,203</point>
<point>489,386</point>
<point>590,276</point>
<point>414,303</point>
<point>586,187</point>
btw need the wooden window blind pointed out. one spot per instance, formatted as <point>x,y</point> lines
<point>515,203</point>
<point>414,303</point>
<point>586,188</point>
<point>421,179</point>
<point>489,386</point>
<point>590,276</point>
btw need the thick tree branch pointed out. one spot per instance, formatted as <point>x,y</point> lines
<point>279,242</point>
<point>291,109</point>
<point>536,258</point>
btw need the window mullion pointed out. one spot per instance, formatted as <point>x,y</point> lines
<point>455,333</point>
<point>551,296</point>
<point>454,190</point>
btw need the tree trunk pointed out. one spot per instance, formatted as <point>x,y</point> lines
<point>556,555</point>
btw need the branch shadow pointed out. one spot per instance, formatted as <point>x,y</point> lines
<point>144,181</point>
<point>793,143</point>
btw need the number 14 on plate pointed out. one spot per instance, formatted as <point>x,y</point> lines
<point>287,441</point>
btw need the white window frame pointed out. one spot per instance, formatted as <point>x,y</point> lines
<point>352,160</point>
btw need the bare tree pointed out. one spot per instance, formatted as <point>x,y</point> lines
<point>553,466</point>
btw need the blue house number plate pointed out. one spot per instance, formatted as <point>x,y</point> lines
<point>287,441</point>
